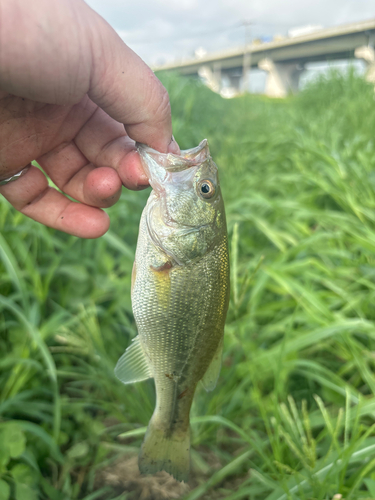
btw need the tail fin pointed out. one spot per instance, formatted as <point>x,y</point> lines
<point>170,453</point>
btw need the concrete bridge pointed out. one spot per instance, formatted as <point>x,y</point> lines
<point>283,59</point>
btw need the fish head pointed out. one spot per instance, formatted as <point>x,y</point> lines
<point>185,212</point>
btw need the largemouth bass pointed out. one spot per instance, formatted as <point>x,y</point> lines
<point>180,293</point>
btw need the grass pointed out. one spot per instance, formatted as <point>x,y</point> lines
<point>293,414</point>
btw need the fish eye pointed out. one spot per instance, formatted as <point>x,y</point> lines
<point>206,188</point>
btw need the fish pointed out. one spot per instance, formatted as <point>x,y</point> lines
<point>180,296</point>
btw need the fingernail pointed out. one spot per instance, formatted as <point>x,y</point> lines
<point>173,147</point>
<point>142,182</point>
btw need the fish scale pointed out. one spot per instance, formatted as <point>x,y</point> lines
<point>180,293</point>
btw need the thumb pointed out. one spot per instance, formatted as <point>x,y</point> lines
<point>127,89</point>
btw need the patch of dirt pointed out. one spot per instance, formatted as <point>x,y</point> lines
<point>124,476</point>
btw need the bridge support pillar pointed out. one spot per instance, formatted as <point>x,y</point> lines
<point>367,53</point>
<point>282,78</point>
<point>211,78</point>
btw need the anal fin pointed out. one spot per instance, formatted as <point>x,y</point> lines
<point>209,379</point>
<point>133,365</point>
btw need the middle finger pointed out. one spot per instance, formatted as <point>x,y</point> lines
<point>92,167</point>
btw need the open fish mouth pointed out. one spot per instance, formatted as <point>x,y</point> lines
<point>158,165</point>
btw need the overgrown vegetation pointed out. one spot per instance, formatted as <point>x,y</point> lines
<point>293,414</point>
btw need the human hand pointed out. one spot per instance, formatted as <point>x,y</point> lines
<point>74,98</point>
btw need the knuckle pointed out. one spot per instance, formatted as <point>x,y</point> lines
<point>163,111</point>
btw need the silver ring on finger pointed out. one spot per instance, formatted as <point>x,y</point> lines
<point>15,177</point>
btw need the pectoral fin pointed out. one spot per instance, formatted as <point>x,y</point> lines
<point>209,379</point>
<point>133,365</point>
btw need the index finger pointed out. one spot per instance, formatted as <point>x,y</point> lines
<point>127,89</point>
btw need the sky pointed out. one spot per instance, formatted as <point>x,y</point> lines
<point>162,31</point>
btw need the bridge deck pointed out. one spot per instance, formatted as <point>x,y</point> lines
<point>327,44</point>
